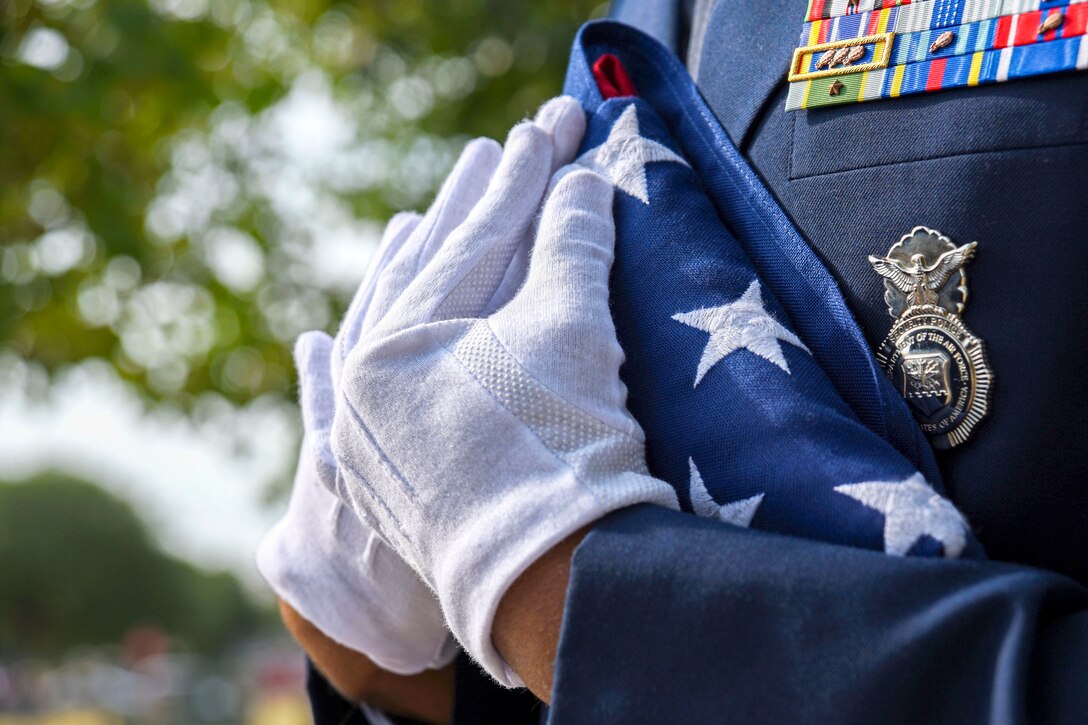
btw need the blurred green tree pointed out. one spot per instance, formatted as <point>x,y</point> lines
<point>77,567</point>
<point>186,184</point>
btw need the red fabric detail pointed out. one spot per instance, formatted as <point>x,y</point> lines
<point>936,74</point>
<point>874,22</point>
<point>1002,37</point>
<point>1076,21</point>
<point>612,78</point>
<point>1027,28</point>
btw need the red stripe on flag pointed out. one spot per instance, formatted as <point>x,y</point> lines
<point>817,10</point>
<point>1001,35</point>
<point>935,79</point>
<point>1076,20</point>
<point>874,21</point>
<point>825,30</point>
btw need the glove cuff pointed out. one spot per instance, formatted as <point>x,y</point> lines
<point>471,580</point>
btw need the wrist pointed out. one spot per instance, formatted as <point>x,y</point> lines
<point>506,549</point>
<point>426,696</point>
<point>530,615</point>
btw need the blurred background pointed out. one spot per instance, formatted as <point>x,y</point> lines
<point>185,186</point>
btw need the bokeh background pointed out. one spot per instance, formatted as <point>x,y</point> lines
<point>185,186</point>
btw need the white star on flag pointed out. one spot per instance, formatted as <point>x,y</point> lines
<point>911,509</point>
<point>738,513</point>
<point>624,155</point>
<point>741,325</point>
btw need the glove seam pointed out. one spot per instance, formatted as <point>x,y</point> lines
<point>372,492</point>
<point>492,240</point>
<point>641,440</point>
<point>382,458</point>
<point>584,484</point>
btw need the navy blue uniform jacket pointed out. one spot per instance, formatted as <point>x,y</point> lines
<point>673,618</point>
<point>670,618</point>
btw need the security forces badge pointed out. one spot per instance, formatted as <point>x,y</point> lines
<point>938,365</point>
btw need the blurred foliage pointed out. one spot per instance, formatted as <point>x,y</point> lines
<point>185,185</point>
<point>77,567</point>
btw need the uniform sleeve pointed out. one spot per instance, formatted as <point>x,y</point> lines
<point>671,618</point>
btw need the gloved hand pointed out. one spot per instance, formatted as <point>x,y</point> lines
<point>320,557</point>
<point>475,443</point>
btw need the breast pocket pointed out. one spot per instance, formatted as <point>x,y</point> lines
<point>1035,113</point>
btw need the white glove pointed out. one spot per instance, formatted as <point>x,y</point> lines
<point>474,444</point>
<point>320,558</point>
<point>335,572</point>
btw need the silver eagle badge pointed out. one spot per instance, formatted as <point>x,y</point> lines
<point>934,360</point>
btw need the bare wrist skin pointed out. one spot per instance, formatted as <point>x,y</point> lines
<point>527,623</point>
<point>427,696</point>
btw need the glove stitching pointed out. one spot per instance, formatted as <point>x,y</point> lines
<point>639,439</point>
<point>460,296</point>
<point>372,490</point>
<point>567,445</point>
<point>376,524</point>
<point>377,451</point>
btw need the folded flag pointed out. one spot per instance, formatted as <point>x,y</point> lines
<point>740,418</point>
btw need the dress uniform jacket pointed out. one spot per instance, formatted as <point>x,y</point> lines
<point>760,628</point>
<point>754,627</point>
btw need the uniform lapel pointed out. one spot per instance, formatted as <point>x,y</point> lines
<point>738,78</point>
